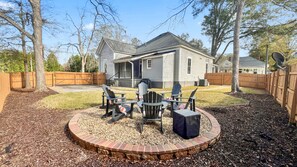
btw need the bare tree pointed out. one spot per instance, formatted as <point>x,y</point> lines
<point>35,37</point>
<point>102,13</point>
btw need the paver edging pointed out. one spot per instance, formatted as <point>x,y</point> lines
<point>145,152</point>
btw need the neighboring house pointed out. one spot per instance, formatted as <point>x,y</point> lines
<point>246,65</point>
<point>165,60</point>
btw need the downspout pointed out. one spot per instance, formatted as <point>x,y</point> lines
<point>132,78</point>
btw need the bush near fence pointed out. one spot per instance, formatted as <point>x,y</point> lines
<point>17,80</point>
<point>4,88</point>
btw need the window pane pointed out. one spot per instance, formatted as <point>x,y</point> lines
<point>189,66</point>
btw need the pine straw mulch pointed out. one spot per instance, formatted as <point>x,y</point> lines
<point>128,130</point>
<point>253,135</point>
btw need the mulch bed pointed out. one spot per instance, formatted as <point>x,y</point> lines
<point>254,135</point>
<point>128,130</point>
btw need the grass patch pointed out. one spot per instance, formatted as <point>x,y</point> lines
<point>205,97</point>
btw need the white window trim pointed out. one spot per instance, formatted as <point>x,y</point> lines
<point>188,65</point>
<point>148,63</point>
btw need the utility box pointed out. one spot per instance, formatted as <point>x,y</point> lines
<point>203,82</point>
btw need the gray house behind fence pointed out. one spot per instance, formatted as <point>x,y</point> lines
<point>165,60</point>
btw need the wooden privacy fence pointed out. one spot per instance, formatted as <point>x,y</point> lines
<point>282,86</point>
<point>4,88</point>
<point>245,80</point>
<point>17,80</point>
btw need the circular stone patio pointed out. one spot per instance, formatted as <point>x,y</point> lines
<point>123,140</point>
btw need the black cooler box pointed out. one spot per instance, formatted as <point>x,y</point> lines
<point>186,123</point>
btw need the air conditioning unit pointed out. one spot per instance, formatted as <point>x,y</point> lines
<point>203,82</point>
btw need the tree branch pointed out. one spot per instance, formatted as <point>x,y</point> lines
<point>16,25</point>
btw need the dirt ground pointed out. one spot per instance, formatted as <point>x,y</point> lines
<point>257,134</point>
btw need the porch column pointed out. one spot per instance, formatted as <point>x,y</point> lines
<point>132,75</point>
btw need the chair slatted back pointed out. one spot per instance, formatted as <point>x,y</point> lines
<point>191,97</point>
<point>176,89</point>
<point>109,93</point>
<point>152,112</point>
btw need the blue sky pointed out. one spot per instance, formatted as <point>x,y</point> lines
<point>138,17</point>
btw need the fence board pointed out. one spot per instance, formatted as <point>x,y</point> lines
<point>59,78</point>
<point>245,80</point>
<point>4,88</point>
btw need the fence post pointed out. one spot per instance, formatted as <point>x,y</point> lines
<point>74,78</point>
<point>276,84</point>
<point>293,109</point>
<point>97,77</point>
<point>284,100</point>
<point>222,78</point>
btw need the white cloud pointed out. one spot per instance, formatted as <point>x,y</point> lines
<point>89,26</point>
<point>6,5</point>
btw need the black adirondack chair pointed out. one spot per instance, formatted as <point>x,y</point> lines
<point>176,104</point>
<point>111,97</point>
<point>175,92</point>
<point>116,103</point>
<point>152,109</point>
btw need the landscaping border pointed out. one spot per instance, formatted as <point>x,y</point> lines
<point>145,152</point>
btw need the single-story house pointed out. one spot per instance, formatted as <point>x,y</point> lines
<point>165,60</point>
<point>246,65</point>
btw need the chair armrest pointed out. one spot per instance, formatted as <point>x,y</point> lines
<point>153,104</point>
<point>120,93</point>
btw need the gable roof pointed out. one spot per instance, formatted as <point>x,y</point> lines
<point>165,40</point>
<point>120,47</point>
<point>250,62</point>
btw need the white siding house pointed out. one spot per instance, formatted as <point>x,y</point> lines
<point>165,60</point>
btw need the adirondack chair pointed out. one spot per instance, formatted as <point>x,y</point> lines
<point>111,98</point>
<point>175,92</point>
<point>152,109</point>
<point>184,104</point>
<point>117,104</point>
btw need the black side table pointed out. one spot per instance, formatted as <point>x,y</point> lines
<point>186,123</point>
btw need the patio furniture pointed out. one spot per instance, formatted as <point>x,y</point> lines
<point>117,114</point>
<point>104,96</point>
<point>176,105</point>
<point>152,109</point>
<point>175,92</point>
<point>142,89</point>
<point>186,123</point>
<point>110,97</point>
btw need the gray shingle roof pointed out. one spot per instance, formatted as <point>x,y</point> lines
<point>120,47</point>
<point>245,62</point>
<point>162,41</point>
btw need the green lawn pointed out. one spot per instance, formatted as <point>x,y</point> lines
<point>205,97</point>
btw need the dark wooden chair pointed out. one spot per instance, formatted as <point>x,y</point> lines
<point>152,109</point>
<point>117,103</point>
<point>175,92</point>
<point>177,104</point>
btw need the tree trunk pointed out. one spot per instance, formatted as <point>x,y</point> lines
<point>38,47</point>
<point>25,57</point>
<point>235,62</point>
<point>83,63</point>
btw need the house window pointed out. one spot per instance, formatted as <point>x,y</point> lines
<point>189,66</point>
<point>206,70</point>
<point>149,64</point>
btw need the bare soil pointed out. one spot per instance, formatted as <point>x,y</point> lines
<point>257,134</point>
